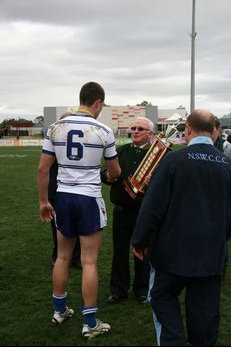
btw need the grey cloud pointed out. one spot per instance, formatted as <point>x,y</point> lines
<point>49,48</point>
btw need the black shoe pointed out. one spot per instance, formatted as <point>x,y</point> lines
<point>141,298</point>
<point>115,299</point>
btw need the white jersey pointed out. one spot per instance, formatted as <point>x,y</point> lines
<point>79,142</point>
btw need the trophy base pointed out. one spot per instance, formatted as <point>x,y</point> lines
<point>135,194</point>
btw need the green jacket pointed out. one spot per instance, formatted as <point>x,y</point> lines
<point>130,158</point>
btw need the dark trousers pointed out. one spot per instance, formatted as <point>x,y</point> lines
<point>202,306</point>
<point>122,229</point>
<point>76,252</point>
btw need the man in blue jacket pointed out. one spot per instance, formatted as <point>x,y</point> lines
<point>183,225</point>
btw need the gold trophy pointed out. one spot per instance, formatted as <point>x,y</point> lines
<point>136,185</point>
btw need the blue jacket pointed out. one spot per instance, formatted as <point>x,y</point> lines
<point>187,212</point>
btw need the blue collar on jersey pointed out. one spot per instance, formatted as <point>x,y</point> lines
<point>201,139</point>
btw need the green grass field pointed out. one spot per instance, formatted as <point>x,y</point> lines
<point>25,277</point>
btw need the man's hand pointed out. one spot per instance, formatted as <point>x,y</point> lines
<point>140,253</point>
<point>46,212</point>
<point>109,178</point>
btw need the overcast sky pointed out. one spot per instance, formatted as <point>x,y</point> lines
<point>137,50</point>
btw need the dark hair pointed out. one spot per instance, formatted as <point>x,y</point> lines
<point>217,123</point>
<point>90,92</point>
<point>201,121</point>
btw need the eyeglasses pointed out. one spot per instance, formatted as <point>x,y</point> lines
<point>139,129</point>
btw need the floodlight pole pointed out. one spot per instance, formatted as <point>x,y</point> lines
<point>193,37</point>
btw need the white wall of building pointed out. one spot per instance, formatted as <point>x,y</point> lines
<point>119,118</point>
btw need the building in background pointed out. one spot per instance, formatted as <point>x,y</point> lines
<point>22,127</point>
<point>53,113</point>
<point>121,118</point>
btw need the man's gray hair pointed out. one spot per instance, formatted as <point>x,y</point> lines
<point>150,123</point>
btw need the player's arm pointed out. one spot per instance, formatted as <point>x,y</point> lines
<point>113,169</point>
<point>46,210</point>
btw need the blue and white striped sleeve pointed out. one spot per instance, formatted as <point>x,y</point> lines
<point>48,147</point>
<point>110,147</point>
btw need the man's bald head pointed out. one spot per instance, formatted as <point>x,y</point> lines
<point>201,121</point>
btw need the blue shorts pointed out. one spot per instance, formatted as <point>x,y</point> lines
<point>79,214</point>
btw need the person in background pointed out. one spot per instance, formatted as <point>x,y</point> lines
<point>217,135</point>
<point>229,137</point>
<point>183,225</point>
<point>225,147</point>
<point>124,218</point>
<point>78,142</point>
